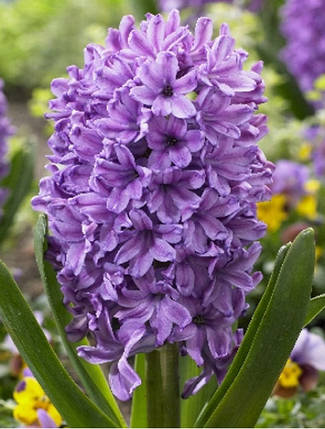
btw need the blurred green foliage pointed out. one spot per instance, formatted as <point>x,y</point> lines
<point>303,410</point>
<point>40,38</point>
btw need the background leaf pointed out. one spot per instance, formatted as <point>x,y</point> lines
<point>316,305</point>
<point>139,415</point>
<point>18,183</point>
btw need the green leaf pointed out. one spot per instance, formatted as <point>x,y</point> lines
<point>74,406</point>
<point>18,183</point>
<point>247,341</point>
<point>191,407</point>
<point>139,416</point>
<point>274,339</point>
<point>90,375</point>
<point>316,305</point>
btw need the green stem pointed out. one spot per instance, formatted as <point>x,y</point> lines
<point>154,390</point>
<point>171,394</point>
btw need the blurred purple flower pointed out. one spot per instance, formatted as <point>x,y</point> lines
<point>315,136</point>
<point>289,179</point>
<point>303,28</point>
<point>6,130</point>
<point>155,176</point>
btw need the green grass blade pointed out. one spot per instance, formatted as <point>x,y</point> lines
<point>91,376</point>
<point>16,315</point>
<point>139,415</point>
<point>316,305</point>
<point>18,183</point>
<point>247,341</point>
<point>274,339</point>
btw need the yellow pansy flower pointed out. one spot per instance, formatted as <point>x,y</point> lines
<point>272,212</point>
<point>25,413</point>
<point>307,207</point>
<point>54,414</point>
<point>318,252</point>
<point>290,374</point>
<point>305,152</point>
<point>28,390</point>
<point>312,186</point>
<point>31,398</point>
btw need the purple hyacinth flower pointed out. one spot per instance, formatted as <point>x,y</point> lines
<point>123,179</point>
<point>155,173</point>
<point>171,142</point>
<point>173,194</point>
<point>127,118</point>
<point>158,306</point>
<point>147,243</point>
<point>162,90</point>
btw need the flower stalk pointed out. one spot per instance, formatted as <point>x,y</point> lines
<point>154,389</point>
<point>171,393</point>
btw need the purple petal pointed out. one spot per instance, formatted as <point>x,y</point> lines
<point>182,107</point>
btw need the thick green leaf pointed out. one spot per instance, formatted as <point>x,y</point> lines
<point>18,183</point>
<point>139,416</point>
<point>274,339</point>
<point>74,406</point>
<point>247,341</point>
<point>316,305</point>
<point>191,407</point>
<point>90,375</point>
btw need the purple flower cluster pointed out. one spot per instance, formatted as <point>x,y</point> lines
<point>6,130</point>
<point>303,28</point>
<point>155,175</point>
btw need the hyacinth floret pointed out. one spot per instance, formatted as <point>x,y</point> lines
<point>303,29</point>
<point>151,200</point>
<point>6,130</point>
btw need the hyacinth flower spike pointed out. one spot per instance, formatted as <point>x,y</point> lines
<point>153,189</point>
<point>155,176</point>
